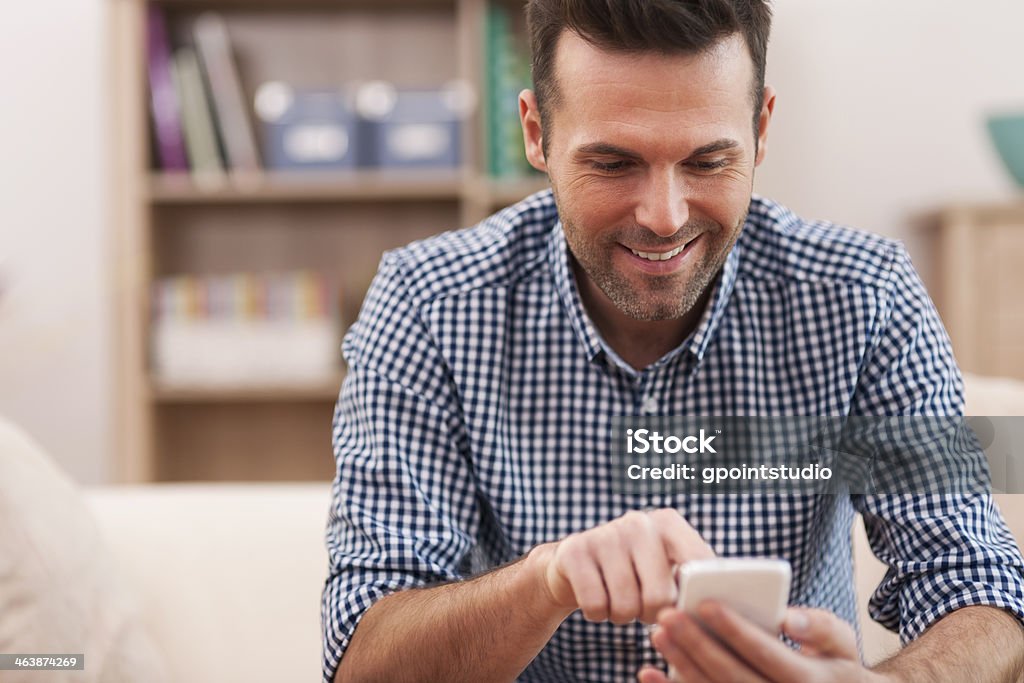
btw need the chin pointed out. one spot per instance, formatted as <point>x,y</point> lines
<point>651,313</point>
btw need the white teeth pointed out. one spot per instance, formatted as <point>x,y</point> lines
<point>652,256</point>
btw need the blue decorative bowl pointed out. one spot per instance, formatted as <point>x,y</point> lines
<point>1007,133</point>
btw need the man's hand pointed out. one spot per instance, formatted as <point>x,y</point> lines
<point>623,570</point>
<point>730,648</point>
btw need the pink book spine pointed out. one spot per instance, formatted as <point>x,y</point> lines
<point>170,141</point>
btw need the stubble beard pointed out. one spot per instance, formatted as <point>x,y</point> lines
<point>664,297</point>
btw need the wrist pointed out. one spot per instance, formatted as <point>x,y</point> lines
<point>874,676</point>
<point>536,569</point>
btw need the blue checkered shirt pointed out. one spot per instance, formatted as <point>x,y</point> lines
<point>474,424</point>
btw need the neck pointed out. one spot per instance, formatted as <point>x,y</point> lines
<point>638,342</point>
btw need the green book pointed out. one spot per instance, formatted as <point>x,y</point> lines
<point>494,34</point>
<point>200,135</point>
<point>508,73</point>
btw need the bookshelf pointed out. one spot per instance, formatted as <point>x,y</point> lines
<point>332,222</point>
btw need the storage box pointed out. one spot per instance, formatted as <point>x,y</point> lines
<point>306,129</point>
<point>238,353</point>
<point>411,128</point>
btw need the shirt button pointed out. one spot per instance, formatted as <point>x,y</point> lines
<point>649,406</point>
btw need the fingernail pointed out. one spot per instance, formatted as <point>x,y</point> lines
<point>796,622</point>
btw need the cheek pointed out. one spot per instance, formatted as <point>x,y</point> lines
<point>595,206</point>
<point>725,203</point>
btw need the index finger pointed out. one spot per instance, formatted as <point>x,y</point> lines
<point>682,542</point>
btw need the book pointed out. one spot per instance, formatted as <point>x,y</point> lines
<point>225,89</point>
<point>164,107</point>
<point>200,135</point>
<point>493,33</point>
<point>246,328</point>
<point>290,297</point>
<point>508,73</point>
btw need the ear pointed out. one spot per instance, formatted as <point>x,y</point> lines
<point>533,135</point>
<point>762,126</point>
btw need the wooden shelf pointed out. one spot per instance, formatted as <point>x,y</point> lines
<point>167,392</point>
<point>504,192</point>
<point>357,186</point>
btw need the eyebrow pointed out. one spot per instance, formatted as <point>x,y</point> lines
<point>604,148</point>
<point>716,146</point>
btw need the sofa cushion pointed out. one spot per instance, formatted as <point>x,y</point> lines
<point>59,591</point>
<point>992,395</point>
<point>228,575</point>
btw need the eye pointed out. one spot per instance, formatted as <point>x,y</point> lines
<point>611,166</point>
<point>710,165</point>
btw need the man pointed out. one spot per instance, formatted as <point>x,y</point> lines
<point>472,429</point>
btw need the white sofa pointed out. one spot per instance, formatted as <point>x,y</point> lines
<point>230,575</point>
<point>158,583</point>
<point>225,580</point>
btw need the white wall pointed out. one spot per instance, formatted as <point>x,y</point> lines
<point>881,105</point>
<point>55,313</point>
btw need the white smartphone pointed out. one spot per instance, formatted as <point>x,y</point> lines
<point>757,589</point>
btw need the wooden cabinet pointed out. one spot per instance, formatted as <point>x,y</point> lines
<point>336,223</point>
<point>980,285</point>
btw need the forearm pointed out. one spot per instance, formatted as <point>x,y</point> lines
<point>973,645</point>
<point>485,629</point>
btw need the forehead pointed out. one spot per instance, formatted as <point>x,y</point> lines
<point>617,94</point>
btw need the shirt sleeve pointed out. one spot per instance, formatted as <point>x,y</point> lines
<point>403,508</point>
<point>944,551</point>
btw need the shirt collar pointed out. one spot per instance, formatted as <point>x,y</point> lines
<point>592,342</point>
<point>700,339</point>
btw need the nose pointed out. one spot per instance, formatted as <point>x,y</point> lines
<point>663,209</point>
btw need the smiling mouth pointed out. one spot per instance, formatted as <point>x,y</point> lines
<point>661,256</point>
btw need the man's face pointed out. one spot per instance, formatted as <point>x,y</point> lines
<point>651,159</point>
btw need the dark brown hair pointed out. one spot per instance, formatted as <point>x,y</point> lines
<point>665,26</point>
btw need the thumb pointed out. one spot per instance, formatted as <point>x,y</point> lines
<point>821,632</point>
